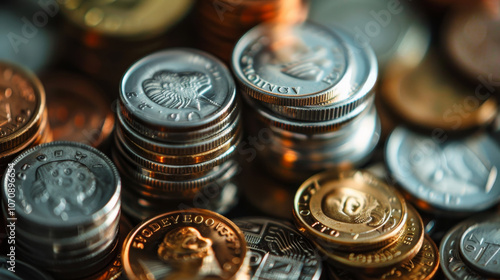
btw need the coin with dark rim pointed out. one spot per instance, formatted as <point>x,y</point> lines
<point>457,176</point>
<point>292,65</point>
<point>349,210</point>
<point>186,244</point>
<point>278,251</point>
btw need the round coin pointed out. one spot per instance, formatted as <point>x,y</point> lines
<point>349,210</point>
<point>456,176</point>
<point>186,244</point>
<point>176,90</point>
<point>480,248</point>
<point>292,65</point>
<point>22,101</point>
<point>278,251</point>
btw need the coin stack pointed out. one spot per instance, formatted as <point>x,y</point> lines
<point>470,249</point>
<point>310,90</point>
<point>23,116</point>
<point>64,201</point>
<point>178,128</point>
<point>361,224</point>
<point>223,22</point>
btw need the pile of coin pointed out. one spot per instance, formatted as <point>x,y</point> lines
<point>223,22</point>
<point>63,199</point>
<point>23,116</point>
<point>361,224</point>
<point>177,132</point>
<point>310,90</point>
<point>470,250</point>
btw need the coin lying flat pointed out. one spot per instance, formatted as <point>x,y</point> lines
<point>278,251</point>
<point>350,210</point>
<point>188,244</point>
<point>456,176</point>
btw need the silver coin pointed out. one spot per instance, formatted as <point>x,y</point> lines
<point>177,89</point>
<point>291,65</point>
<point>455,176</point>
<point>480,248</point>
<point>62,185</point>
<point>359,86</point>
<point>279,251</point>
<point>391,28</point>
<point>451,260</point>
<point>23,271</point>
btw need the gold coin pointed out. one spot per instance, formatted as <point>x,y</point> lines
<point>350,210</point>
<point>186,244</point>
<point>377,261</point>
<point>22,101</point>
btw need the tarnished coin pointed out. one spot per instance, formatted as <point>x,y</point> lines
<point>21,269</point>
<point>187,244</point>
<point>480,247</point>
<point>451,260</point>
<point>177,90</point>
<point>379,260</point>
<point>77,109</point>
<point>451,176</point>
<point>292,65</point>
<point>278,251</point>
<point>430,97</point>
<point>349,210</point>
<point>22,101</point>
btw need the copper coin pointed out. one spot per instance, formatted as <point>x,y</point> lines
<point>186,244</point>
<point>350,210</point>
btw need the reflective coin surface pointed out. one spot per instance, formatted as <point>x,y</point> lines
<point>278,251</point>
<point>22,101</point>
<point>186,244</point>
<point>22,271</point>
<point>298,65</point>
<point>480,248</point>
<point>63,184</point>
<point>177,89</point>
<point>351,210</point>
<point>454,176</point>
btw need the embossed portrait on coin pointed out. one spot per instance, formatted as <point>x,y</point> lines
<point>187,252</point>
<point>352,206</point>
<point>178,90</point>
<point>66,188</point>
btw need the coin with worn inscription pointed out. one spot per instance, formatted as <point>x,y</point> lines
<point>22,101</point>
<point>278,251</point>
<point>480,247</point>
<point>349,210</point>
<point>295,65</point>
<point>452,176</point>
<point>451,256</point>
<point>19,270</point>
<point>176,90</point>
<point>378,260</point>
<point>186,244</point>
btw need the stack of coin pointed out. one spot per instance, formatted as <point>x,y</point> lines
<point>178,127</point>
<point>223,22</point>
<point>186,244</point>
<point>470,250</point>
<point>23,116</point>
<point>64,200</point>
<point>359,223</point>
<point>443,175</point>
<point>310,90</point>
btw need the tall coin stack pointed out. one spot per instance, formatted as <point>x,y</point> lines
<point>23,116</point>
<point>311,90</point>
<point>223,22</point>
<point>178,127</point>
<point>363,226</point>
<point>64,201</point>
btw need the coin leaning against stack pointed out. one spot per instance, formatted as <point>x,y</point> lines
<point>361,225</point>
<point>23,116</point>
<point>312,88</point>
<point>178,128</point>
